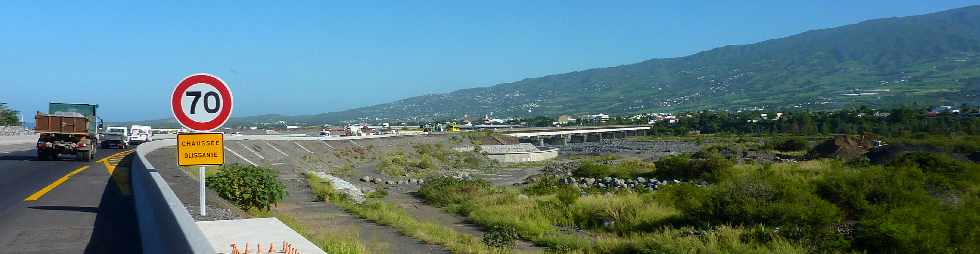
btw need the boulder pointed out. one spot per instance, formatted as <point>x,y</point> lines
<point>344,187</point>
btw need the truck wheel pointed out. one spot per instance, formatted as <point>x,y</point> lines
<point>85,156</point>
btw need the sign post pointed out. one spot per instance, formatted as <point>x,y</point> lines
<point>202,103</point>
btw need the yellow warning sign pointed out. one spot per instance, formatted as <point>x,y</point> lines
<point>194,149</point>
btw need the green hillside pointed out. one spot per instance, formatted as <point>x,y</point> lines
<point>927,59</point>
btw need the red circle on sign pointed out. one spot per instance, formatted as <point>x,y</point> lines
<point>207,79</point>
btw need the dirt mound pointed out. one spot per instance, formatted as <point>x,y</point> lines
<point>843,147</point>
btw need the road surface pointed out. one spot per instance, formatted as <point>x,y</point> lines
<point>66,206</point>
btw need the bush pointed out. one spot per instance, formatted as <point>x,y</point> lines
<point>444,191</point>
<point>501,236</point>
<point>248,186</point>
<point>791,145</point>
<point>708,167</point>
<point>759,197</point>
<point>621,213</point>
<point>919,203</point>
<point>624,169</point>
<point>544,185</point>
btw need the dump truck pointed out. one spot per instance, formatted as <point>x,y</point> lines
<point>67,129</point>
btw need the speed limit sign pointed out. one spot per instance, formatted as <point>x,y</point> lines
<point>201,102</point>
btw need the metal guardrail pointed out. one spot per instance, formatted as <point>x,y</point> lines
<point>165,225</point>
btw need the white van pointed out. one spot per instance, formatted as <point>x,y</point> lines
<point>140,134</point>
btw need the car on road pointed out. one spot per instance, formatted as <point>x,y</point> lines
<point>116,136</point>
<point>139,134</point>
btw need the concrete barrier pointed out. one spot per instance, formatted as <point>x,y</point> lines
<point>17,140</point>
<point>165,225</point>
<point>517,157</point>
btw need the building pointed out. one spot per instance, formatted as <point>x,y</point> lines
<point>598,118</point>
<point>565,119</point>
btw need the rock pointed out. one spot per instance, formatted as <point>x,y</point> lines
<point>602,185</point>
<point>420,181</point>
<point>366,179</point>
<point>590,181</point>
<point>345,187</point>
<point>640,179</point>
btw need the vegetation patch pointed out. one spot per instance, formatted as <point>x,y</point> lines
<point>329,239</point>
<point>377,210</point>
<point>249,187</point>
<point>615,223</point>
<point>621,169</point>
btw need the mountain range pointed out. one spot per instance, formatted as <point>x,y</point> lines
<point>929,59</point>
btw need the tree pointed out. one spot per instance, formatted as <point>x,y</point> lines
<point>8,116</point>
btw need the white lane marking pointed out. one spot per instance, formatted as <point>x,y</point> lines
<point>253,151</point>
<point>328,145</point>
<point>276,148</point>
<point>304,148</point>
<point>352,142</point>
<point>240,156</point>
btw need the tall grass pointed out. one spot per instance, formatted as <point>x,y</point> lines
<point>621,213</point>
<point>615,223</point>
<point>387,214</point>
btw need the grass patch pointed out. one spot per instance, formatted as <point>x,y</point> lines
<point>329,239</point>
<point>375,209</point>
<point>615,223</point>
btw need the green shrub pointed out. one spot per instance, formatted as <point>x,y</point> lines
<point>623,169</point>
<point>248,186</point>
<point>919,203</point>
<point>544,185</point>
<point>621,213</point>
<point>393,164</point>
<point>437,151</point>
<point>791,145</point>
<point>444,191</point>
<point>684,167</point>
<point>501,236</point>
<point>759,197</point>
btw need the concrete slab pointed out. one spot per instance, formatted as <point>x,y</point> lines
<point>262,231</point>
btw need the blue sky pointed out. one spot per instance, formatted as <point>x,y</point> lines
<point>303,57</point>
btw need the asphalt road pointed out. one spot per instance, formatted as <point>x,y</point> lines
<point>66,206</point>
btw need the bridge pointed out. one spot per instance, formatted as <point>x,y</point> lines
<point>556,137</point>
